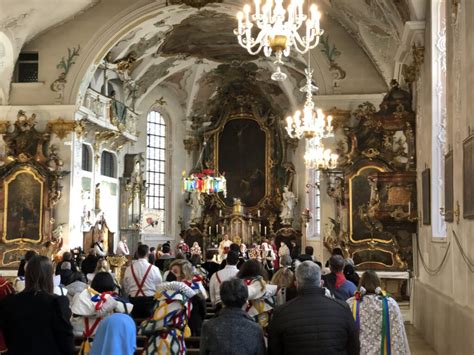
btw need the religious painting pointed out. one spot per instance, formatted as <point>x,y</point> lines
<point>23,206</point>
<point>426,196</point>
<point>13,257</point>
<point>468,177</point>
<point>364,205</point>
<point>448,187</point>
<point>242,156</point>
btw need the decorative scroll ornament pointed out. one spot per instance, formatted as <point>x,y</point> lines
<point>61,128</point>
<point>278,30</point>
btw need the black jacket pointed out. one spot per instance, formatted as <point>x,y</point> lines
<point>37,324</point>
<point>313,323</point>
<point>233,332</point>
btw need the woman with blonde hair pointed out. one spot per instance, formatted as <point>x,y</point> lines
<point>102,266</point>
<point>378,317</point>
<point>284,278</point>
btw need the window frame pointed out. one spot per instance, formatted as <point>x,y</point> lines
<point>156,162</point>
<point>113,160</point>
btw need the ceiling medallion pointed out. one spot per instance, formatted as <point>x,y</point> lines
<point>278,30</point>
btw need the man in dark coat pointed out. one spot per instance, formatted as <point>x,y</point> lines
<point>312,323</point>
<point>233,332</point>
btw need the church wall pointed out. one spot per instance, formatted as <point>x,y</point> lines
<point>442,301</point>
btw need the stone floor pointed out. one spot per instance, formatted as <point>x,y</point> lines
<point>418,345</point>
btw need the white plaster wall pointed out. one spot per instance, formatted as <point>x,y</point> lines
<point>443,308</point>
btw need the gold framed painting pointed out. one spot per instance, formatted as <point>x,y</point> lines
<point>23,211</point>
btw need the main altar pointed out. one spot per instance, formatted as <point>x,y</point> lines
<point>245,143</point>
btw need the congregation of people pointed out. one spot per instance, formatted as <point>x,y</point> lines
<point>237,300</point>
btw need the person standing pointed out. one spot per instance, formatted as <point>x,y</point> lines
<point>36,321</point>
<point>225,334</point>
<point>312,323</point>
<point>122,247</point>
<point>220,276</point>
<point>378,318</point>
<point>99,246</point>
<point>336,282</point>
<point>140,282</point>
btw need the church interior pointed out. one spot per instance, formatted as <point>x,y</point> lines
<point>196,122</point>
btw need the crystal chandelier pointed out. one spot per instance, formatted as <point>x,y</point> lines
<point>316,157</point>
<point>313,122</point>
<point>278,30</point>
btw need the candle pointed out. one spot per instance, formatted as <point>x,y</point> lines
<point>220,213</point>
<point>258,213</point>
<point>409,208</point>
<point>260,228</point>
<point>217,229</point>
<point>209,230</point>
<point>223,229</point>
<point>265,229</point>
<point>251,230</point>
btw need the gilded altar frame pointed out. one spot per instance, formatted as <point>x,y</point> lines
<point>8,180</point>
<point>215,133</point>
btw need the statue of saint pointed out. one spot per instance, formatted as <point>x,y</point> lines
<point>195,201</point>
<point>288,204</point>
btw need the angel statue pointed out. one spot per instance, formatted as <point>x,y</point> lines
<point>195,201</point>
<point>288,204</point>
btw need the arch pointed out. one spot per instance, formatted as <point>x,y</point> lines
<point>7,61</point>
<point>108,164</point>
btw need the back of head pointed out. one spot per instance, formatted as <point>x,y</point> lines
<point>195,259</point>
<point>252,269</point>
<point>336,263</point>
<point>234,247</point>
<point>210,254</point>
<point>337,251</point>
<point>308,274</point>
<point>142,251</point>
<point>152,249</point>
<point>102,266</point>
<point>116,335</point>
<point>370,281</point>
<point>29,255</point>
<point>67,256</point>
<point>66,265</point>
<point>284,277</point>
<point>39,275</point>
<point>92,252</point>
<point>232,258</point>
<point>234,293</point>
<point>309,250</point>
<point>285,261</point>
<point>185,267</point>
<point>166,248</point>
<point>103,282</point>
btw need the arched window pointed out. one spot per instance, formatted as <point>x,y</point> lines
<point>438,137</point>
<point>107,164</point>
<point>86,158</point>
<point>155,161</point>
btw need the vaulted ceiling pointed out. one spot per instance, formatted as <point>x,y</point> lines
<point>179,51</point>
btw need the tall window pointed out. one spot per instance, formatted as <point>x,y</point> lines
<point>314,203</point>
<point>107,164</point>
<point>86,158</point>
<point>155,161</point>
<point>438,138</point>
